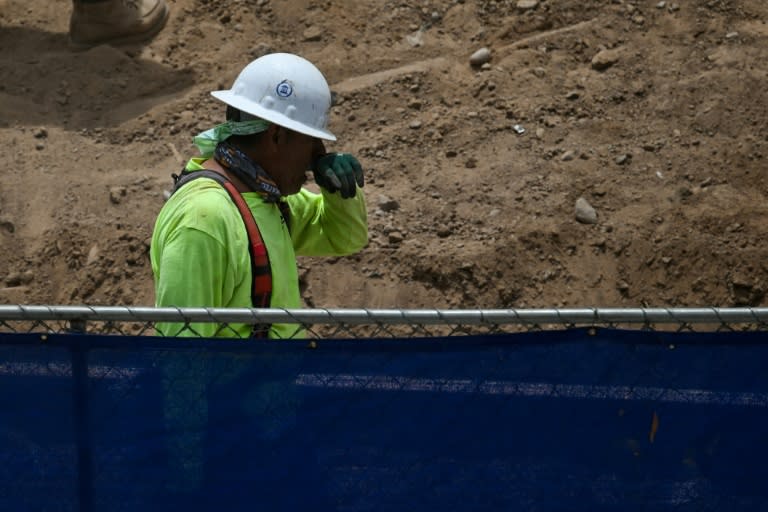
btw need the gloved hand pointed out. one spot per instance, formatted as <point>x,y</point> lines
<point>339,171</point>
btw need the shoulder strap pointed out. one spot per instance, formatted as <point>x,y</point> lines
<point>261,271</point>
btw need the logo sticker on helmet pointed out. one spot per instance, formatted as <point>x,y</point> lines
<point>284,89</point>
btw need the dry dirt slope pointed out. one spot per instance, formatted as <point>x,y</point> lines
<point>667,141</point>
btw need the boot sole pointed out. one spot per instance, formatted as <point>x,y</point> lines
<point>127,39</point>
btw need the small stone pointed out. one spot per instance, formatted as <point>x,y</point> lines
<point>605,59</point>
<point>313,33</point>
<point>622,159</point>
<point>415,104</point>
<point>93,254</point>
<point>480,57</point>
<point>661,5</point>
<point>572,95</point>
<point>387,204</point>
<point>415,125</point>
<point>525,5</point>
<point>13,279</point>
<point>471,163</point>
<point>584,212</point>
<point>41,133</point>
<point>116,194</point>
<point>39,146</point>
<point>444,232</point>
<point>568,155</point>
<point>395,237</point>
<point>416,39</point>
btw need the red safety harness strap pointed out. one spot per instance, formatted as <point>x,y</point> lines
<point>261,291</point>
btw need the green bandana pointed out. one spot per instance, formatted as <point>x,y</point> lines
<point>206,141</point>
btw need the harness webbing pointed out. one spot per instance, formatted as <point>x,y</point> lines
<point>261,271</point>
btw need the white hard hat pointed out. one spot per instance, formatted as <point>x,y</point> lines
<point>284,89</point>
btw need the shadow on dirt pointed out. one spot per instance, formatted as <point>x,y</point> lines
<point>45,82</point>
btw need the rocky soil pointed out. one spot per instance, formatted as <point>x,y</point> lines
<point>596,153</point>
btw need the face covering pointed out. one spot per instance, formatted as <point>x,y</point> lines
<point>251,173</point>
<point>207,141</point>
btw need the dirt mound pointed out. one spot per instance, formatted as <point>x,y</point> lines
<point>651,112</point>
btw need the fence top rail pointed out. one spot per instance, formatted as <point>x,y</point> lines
<point>565,316</point>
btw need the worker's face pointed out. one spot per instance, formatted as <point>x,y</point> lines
<point>295,154</point>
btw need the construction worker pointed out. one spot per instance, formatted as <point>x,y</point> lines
<point>95,22</point>
<point>205,252</point>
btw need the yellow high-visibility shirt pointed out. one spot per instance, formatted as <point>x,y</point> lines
<point>200,255</point>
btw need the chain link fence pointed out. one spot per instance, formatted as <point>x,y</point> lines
<point>385,410</point>
<point>368,323</point>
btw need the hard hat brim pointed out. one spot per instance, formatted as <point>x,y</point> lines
<point>279,119</point>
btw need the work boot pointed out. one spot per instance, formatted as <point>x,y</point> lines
<point>115,21</point>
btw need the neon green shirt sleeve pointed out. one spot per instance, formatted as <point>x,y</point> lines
<point>326,224</point>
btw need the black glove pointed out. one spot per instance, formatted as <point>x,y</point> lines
<point>339,172</point>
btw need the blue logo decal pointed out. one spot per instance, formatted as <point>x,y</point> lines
<point>284,89</point>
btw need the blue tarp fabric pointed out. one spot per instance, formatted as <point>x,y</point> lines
<point>544,421</point>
